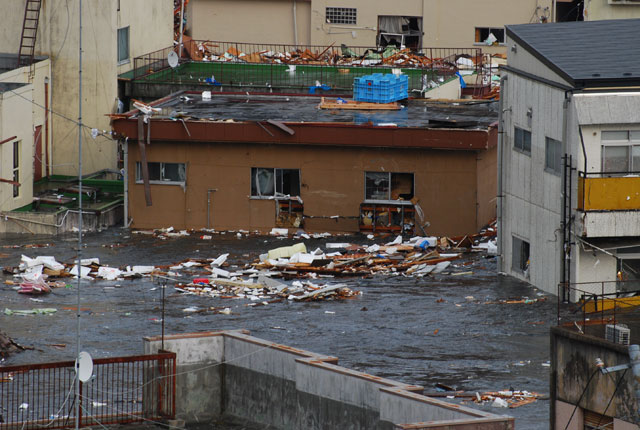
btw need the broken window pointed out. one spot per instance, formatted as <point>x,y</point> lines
<point>400,31</point>
<point>620,152</point>
<point>520,255</point>
<point>553,156</point>
<point>16,168</point>
<point>123,45</point>
<point>274,182</point>
<point>522,140</point>
<point>489,36</point>
<point>388,186</point>
<point>163,173</point>
<point>341,15</point>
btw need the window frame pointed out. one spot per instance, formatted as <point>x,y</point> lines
<point>162,168</point>
<point>521,147</point>
<point>390,182</point>
<point>16,167</point>
<point>490,30</point>
<point>119,50</point>
<point>631,142</point>
<point>276,194</point>
<point>518,247</point>
<point>341,15</point>
<point>554,170</point>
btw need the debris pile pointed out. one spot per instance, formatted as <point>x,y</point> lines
<point>498,399</point>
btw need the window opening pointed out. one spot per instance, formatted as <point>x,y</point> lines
<point>620,152</point>
<point>123,45</point>
<point>489,35</point>
<point>163,173</point>
<point>341,15</point>
<point>552,155</point>
<point>274,182</point>
<point>520,256</point>
<point>388,186</point>
<point>16,168</point>
<point>400,31</point>
<point>522,140</point>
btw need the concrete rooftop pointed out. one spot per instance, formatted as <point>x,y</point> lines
<point>295,108</point>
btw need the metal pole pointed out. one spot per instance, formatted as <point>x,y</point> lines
<point>164,287</point>
<point>79,253</point>
<point>125,178</point>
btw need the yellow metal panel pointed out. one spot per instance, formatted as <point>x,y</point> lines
<point>609,193</point>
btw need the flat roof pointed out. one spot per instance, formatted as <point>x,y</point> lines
<point>9,62</point>
<point>585,52</point>
<point>10,86</point>
<point>304,109</point>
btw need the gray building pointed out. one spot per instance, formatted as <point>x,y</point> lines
<point>569,157</point>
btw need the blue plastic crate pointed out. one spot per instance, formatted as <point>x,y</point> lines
<point>380,88</point>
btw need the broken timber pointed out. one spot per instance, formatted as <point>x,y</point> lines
<point>355,105</point>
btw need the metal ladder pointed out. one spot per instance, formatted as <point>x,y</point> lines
<point>29,31</point>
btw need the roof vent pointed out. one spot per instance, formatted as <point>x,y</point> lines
<point>618,333</point>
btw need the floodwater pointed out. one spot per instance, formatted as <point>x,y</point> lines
<point>415,330</point>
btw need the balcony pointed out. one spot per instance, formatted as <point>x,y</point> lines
<point>610,205</point>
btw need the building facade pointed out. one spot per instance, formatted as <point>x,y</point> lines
<point>322,175</point>
<point>569,207</point>
<point>412,23</point>
<point>114,32</point>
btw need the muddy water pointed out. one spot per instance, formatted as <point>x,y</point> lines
<point>419,331</point>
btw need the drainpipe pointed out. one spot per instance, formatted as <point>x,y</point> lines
<point>181,29</point>
<point>125,149</point>
<point>46,125</point>
<point>499,222</point>
<point>209,191</point>
<point>565,278</point>
<point>295,24</point>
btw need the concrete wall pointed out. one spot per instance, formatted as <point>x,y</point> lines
<point>151,29</point>
<point>285,388</point>
<point>595,10</point>
<point>448,23</point>
<point>16,120</point>
<point>532,195</point>
<point>573,358</point>
<point>37,76</point>
<point>332,183</point>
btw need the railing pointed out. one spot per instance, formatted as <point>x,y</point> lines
<point>608,191</point>
<point>121,390</point>
<point>269,65</point>
<point>591,305</point>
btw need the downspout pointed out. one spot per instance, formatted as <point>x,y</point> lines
<point>499,199</point>
<point>295,24</point>
<point>181,27</point>
<point>125,178</point>
<point>46,125</point>
<point>566,183</point>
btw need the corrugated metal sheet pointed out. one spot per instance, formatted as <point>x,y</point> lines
<point>608,108</point>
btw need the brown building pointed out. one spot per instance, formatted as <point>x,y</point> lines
<point>260,161</point>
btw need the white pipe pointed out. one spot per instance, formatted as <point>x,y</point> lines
<point>295,24</point>
<point>181,24</point>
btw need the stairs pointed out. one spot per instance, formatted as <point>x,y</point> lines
<point>29,32</point>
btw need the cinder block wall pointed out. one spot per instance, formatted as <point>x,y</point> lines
<point>231,374</point>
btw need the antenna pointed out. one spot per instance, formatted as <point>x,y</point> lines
<point>84,366</point>
<point>172,58</point>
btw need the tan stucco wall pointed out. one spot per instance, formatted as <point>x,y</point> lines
<point>332,183</point>
<point>446,23</point>
<point>42,71</point>
<point>16,120</point>
<point>595,10</point>
<point>151,28</point>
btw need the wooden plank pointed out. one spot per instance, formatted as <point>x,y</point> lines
<point>355,105</point>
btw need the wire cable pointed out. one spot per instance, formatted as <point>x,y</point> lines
<point>581,396</point>
<point>612,396</point>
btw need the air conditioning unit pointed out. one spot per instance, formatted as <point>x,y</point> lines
<point>618,333</point>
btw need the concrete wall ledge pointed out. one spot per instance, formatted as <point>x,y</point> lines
<point>230,374</point>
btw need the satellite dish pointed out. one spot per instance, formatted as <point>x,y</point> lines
<point>172,58</point>
<point>84,366</point>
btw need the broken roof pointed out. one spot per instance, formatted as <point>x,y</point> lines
<point>585,52</point>
<point>304,109</point>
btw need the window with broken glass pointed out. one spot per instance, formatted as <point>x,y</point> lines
<point>520,255</point>
<point>341,15</point>
<point>271,182</point>
<point>388,186</point>
<point>163,173</point>
<point>620,152</point>
<point>16,168</point>
<point>489,36</point>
